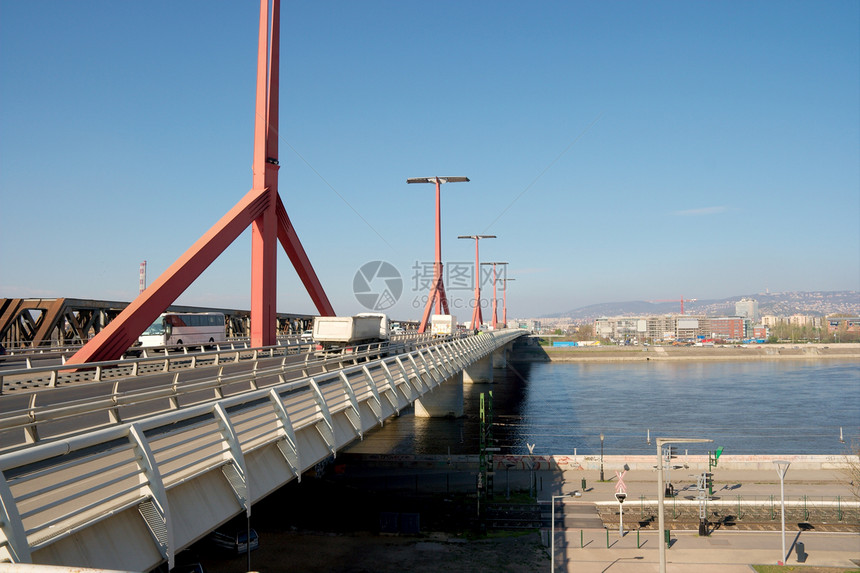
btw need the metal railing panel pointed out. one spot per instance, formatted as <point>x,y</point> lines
<point>183,453</point>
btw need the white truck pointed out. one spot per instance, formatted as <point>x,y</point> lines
<point>335,334</point>
<point>443,325</point>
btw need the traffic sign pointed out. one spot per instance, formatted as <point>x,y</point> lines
<point>620,487</point>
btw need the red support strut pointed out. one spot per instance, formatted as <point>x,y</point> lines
<point>261,208</point>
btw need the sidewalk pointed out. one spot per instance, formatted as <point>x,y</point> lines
<point>728,552</point>
<point>727,483</point>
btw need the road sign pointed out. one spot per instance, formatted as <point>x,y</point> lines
<point>620,487</point>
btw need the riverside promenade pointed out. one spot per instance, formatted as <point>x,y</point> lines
<point>726,552</point>
<point>729,550</point>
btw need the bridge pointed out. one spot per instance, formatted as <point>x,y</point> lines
<point>131,494</point>
<point>46,322</point>
<point>111,460</point>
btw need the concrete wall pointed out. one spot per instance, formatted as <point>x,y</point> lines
<point>610,463</point>
<point>444,401</point>
<point>480,371</point>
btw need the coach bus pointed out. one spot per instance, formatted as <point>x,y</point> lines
<point>173,328</point>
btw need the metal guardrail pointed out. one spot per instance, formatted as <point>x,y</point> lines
<point>803,506</point>
<point>51,490</point>
<point>28,359</point>
<point>27,355</point>
<point>114,388</point>
<point>163,358</point>
<point>832,511</point>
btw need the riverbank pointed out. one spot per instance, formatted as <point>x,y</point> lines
<point>532,352</point>
<point>832,466</point>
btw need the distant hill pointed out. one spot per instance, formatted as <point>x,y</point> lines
<point>776,303</point>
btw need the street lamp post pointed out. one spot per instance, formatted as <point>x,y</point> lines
<point>495,320</point>
<point>620,496</point>
<point>552,531</point>
<point>477,319</point>
<point>601,456</point>
<point>661,545</point>
<point>437,295</point>
<point>781,469</point>
<point>505,302</point>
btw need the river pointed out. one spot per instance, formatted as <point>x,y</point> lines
<point>750,407</point>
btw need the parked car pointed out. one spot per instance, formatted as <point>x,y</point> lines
<point>235,542</point>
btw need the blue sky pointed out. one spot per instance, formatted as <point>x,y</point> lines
<point>619,150</point>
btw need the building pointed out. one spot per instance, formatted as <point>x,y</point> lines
<point>650,328</point>
<point>727,328</point>
<point>747,308</point>
<point>801,320</point>
<point>687,328</point>
<point>843,323</point>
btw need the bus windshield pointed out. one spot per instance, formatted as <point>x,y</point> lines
<point>157,327</point>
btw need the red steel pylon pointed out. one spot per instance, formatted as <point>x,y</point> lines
<point>495,321</point>
<point>505,282</point>
<point>477,318</point>
<point>261,208</point>
<point>437,296</point>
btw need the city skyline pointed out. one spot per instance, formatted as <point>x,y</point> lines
<point>784,304</point>
<point>618,152</point>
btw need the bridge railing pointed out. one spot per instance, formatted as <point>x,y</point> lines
<point>52,490</point>
<point>155,385</point>
<point>164,359</point>
<point>27,356</point>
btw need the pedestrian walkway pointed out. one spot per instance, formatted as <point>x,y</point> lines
<point>585,551</point>
<point>727,483</point>
<point>581,516</point>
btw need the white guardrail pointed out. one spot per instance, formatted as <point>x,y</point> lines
<point>49,400</point>
<point>28,369</point>
<point>52,490</point>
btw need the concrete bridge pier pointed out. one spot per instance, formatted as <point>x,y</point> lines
<point>500,357</point>
<point>444,401</point>
<point>480,371</point>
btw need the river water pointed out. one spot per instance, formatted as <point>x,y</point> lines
<point>756,407</point>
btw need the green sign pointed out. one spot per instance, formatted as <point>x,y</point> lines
<point>718,453</point>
